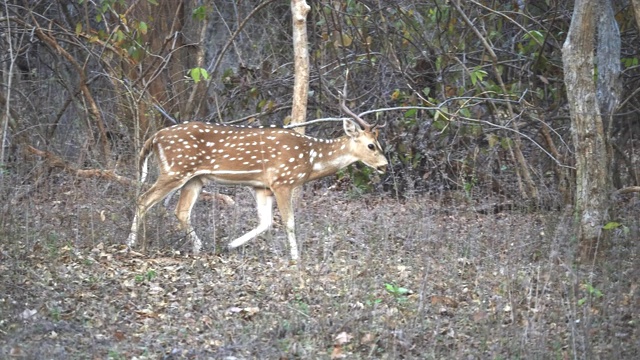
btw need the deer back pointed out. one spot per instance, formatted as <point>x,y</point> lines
<point>261,156</point>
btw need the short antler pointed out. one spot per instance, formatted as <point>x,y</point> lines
<point>365,125</point>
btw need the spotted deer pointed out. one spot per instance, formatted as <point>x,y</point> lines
<point>273,161</point>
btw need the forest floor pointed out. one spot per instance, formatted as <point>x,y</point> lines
<point>420,278</point>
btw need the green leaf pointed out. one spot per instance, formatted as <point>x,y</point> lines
<point>120,35</point>
<point>536,35</point>
<point>199,13</point>
<point>152,2</point>
<point>477,75</point>
<point>198,73</point>
<point>465,112</point>
<point>582,301</point>
<point>611,225</point>
<point>143,27</point>
<point>410,113</point>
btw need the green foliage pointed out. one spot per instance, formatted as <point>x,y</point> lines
<point>398,292</point>
<point>115,355</point>
<point>361,179</point>
<point>199,13</point>
<point>54,313</point>
<point>469,185</point>
<point>198,74</point>
<point>477,75</point>
<point>148,276</point>
<point>629,62</point>
<point>591,292</point>
<point>613,225</point>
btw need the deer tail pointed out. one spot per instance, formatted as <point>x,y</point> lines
<point>143,158</point>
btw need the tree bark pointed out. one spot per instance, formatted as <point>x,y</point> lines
<point>299,11</point>
<point>636,12</point>
<point>592,176</point>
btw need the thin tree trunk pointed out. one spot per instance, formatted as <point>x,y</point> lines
<point>592,177</point>
<point>299,10</point>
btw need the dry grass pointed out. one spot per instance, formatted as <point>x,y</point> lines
<point>379,278</point>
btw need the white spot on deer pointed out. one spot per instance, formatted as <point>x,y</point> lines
<point>301,155</point>
<point>292,159</point>
<point>216,166</point>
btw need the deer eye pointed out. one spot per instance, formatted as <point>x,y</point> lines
<point>371,147</point>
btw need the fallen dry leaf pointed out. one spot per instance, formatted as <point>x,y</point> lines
<point>337,353</point>
<point>343,338</point>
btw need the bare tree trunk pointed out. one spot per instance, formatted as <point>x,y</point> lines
<point>636,12</point>
<point>299,10</point>
<point>4,118</point>
<point>592,178</point>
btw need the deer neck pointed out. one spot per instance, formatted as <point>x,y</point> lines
<point>330,157</point>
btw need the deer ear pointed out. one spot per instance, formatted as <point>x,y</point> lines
<point>350,128</point>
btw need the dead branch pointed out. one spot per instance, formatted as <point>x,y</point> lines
<point>54,161</point>
<point>627,190</point>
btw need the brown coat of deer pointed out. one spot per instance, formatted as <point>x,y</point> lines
<point>273,161</point>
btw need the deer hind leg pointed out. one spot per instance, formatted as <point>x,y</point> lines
<point>264,205</point>
<point>188,197</point>
<point>157,192</point>
<point>285,205</point>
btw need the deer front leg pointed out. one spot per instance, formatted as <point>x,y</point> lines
<point>284,199</point>
<point>188,197</point>
<point>133,235</point>
<point>264,205</point>
<point>163,186</point>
